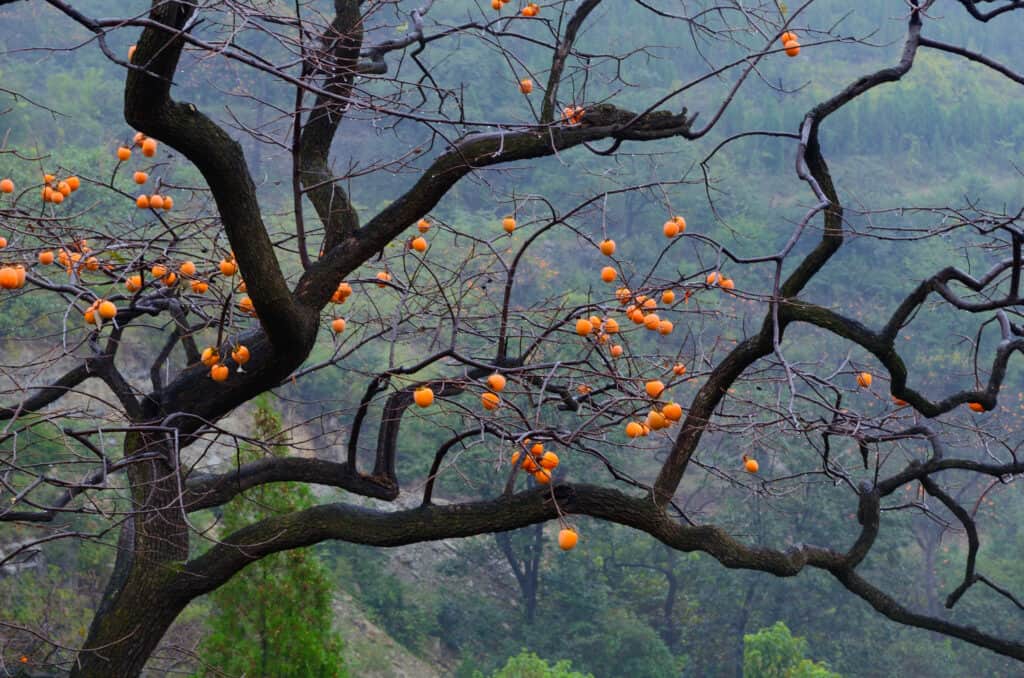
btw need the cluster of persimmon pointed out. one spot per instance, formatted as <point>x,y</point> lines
<point>54,190</point>
<point>100,310</point>
<point>716,279</point>
<point>790,43</point>
<point>73,258</point>
<point>149,148</point>
<point>218,370</point>
<point>530,9</point>
<point>641,310</point>
<point>659,417</point>
<point>573,114</point>
<point>602,330</point>
<point>538,462</point>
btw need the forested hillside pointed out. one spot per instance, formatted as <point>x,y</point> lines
<point>926,169</point>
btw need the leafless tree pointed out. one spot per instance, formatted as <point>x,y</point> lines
<point>448,319</point>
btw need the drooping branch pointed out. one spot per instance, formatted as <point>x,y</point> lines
<point>429,523</point>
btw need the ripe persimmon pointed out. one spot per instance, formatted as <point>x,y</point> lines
<point>107,309</point>
<point>751,465</point>
<point>672,411</point>
<point>241,354</point>
<point>187,268</point>
<point>616,351</point>
<point>123,153</point>
<point>634,430</point>
<point>607,247</point>
<point>567,539</point>
<point>490,401</point>
<point>156,202</point>
<point>668,296</point>
<point>976,407</point>
<point>73,183</point>
<point>8,278</point>
<point>6,186</point>
<point>199,286</point>
<point>496,382</point>
<point>526,85</point>
<point>419,244</point>
<point>142,202</point>
<point>140,178</point>
<point>665,327</point>
<point>209,356</point>
<point>46,258</point>
<point>654,388</point>
<point>246,306</point>
<point>509,224</point>
<point>423,396</point>
<point>133,283</point>
<point>792,48</point>
<point>670,229</point>
<point>423,225</point>
<point>611,326</point>
<point>609,274</point>
<point>864,379</point>
<point>679,369</point>
<point>149,147</point>
<point>584,327</point>
<point>338,325</point>
<point>219,372</point>
<point>384,277</point>
<point>228,267</point>
<point>656,420</point>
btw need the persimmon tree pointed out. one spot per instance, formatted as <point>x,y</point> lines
<point>616,400</point>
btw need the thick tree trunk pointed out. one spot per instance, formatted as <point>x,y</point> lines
<point>138,606</point>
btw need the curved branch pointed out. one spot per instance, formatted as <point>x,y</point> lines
<point>474,151</point>
<point>342,41</point>
<point>150,108</point>
<point>205,491</point>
